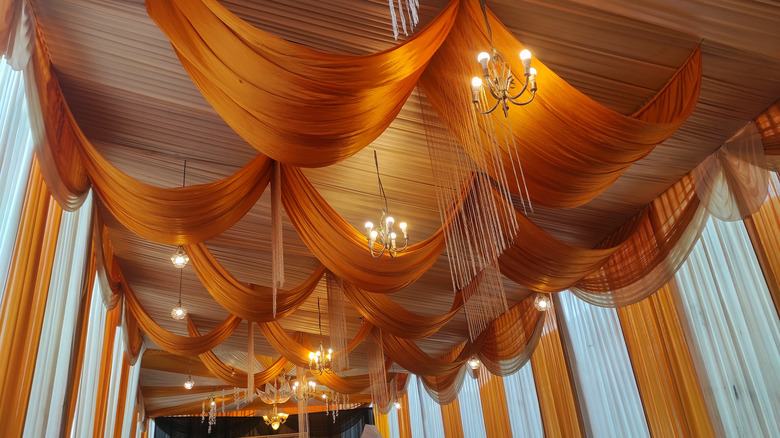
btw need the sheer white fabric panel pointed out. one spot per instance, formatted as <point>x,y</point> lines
<point>59,324</point>
<point>392,420</point>
<point>83,422</point>
<point>433,425</point>
<point>734,328</point>
<point>471,417</point>
<point>732,182</point>
<point>116,381</point>
<point>15,155</point>
<point>522,404</point>
<point>610,399</point>
<point>132,392</point>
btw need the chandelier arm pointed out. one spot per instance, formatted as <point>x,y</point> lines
<point>533,94</point>
<point>493,90</point>
<point>525,87</point>
<point>487,111</point>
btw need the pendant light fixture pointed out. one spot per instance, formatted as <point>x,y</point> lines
<point>179,312</point>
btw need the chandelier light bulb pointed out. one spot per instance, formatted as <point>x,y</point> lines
<point>542,302</point>
<point>474,363</point>
<point>397,405</point>
<point>180,258</point>
<point>189,383</point>
<point>369,226</point>
<point>275,425</point>
<point>389,221</point>
<point>402,226</point>
<point>525,57</point>
<point>312,384</point>
<point>179,312</point>
<point>483,59</point>
<point>374,233</point>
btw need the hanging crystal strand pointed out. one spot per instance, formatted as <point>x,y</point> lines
<point>376,371</point>
<point>303,407</point>
<point>250,368</point>
<point>236,398</point>
<point>277,245</point>
<point>223,401</point>
<point>203,412</point>
<point>337,322</point>
<point>393,19</point>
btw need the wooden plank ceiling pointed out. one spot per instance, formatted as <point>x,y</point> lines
<point>134,101</point>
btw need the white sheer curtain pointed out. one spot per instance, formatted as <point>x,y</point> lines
<point>392,420</point>
<point>116,381</point>
<point>132,392</point>
<point>733,327</point>
<point>424,413</point>
<point>83,422</point>
<point>607,389</point>
<point>522,404</point>
<point>471,418</point>
<point>47,395</point>
<point>15,156</point>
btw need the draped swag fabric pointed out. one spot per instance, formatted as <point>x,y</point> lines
<point>762,228</point>
<point>266,88</point>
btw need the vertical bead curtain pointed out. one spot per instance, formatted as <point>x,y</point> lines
<point>47,397</point>
<point>734,328</point>
<point>522,403</point>
<point>608,394</point>
<point>15,155</point>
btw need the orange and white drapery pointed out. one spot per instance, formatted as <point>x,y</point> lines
<point>24,301</point>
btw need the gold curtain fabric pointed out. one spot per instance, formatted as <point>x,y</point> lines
<point>671,395</point>
<point>558,403</point>
<point>266,88</point>
<point>762,228</point>
<point>450,415</point>
<point>24,301</point>
<point>571,148</point>
<point>494,409</point>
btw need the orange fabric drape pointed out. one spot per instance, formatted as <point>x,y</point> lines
<point>342,249</point>
<point>229,375</point>
<point>763,228</point>
<point>560,412</point>
<point>24,301</point>
<point>450,415</point>
<point>247,302</point>
<point>384,313</point>
<point>171,216</point>
<point>494,409</point>
<point>646,242</point>
<point>122,396</point>
<point>104,381</point>
<point>404,420</point>
<point>511,338</point>
<point>672,398</point>
<point>571,147</point>
<point>266,88</point>
<point>173,343</point>
<point>382,423</point>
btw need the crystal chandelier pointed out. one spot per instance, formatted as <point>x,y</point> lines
<point>212,410</point>
<point>276,419</point>
<point>397,405</point>
<point>305,390</point>
<point>179,312</point>
<point>542,302</point>
<point>320,361</point>
<point>180,257</point>
<point>334,402</point>
<point>497,75</point>
<point>384,234</point>
<point>474,363</point>
<point>189,383</point>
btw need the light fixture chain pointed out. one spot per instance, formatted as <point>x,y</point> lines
<point>181,277</point>
<point>487,25</point>
<point>379,180</point>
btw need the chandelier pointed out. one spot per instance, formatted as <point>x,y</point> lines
<point>497,76</point>
<point>189,383</point>
<point>320,361</point>
<point>212,410</point>
<point>276,419</point>
<point>384,234</point>
<point>334,402</point>
<point>305,390</point>
<point>179,312</point>
<point>180,257</point>
<point>278,392</point>
<point>474,363</point>
<point>542,302</point>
